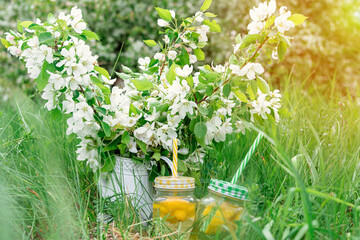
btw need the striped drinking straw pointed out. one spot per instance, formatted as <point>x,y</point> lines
<point>175,158</point>
<point>247,158</point>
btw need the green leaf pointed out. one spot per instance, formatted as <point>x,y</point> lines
<point>262,84</point>
<point>241,96</point>
<point>227,89</point>
<point>90,35</point>
<point>43,77</point>
<point>297,19</point>
<point>95,80</point>
<point>109,164</point>
<point>238,38</point>
<point>37,27</point>
<point>200,130</point>
<point>142,146</point>
<point>210,15</point>
<point>122,147</point>
<point>106,128</point>
<point>142,84</point>
<point>26,24</point>
<point>190,81</point>
<point>19,27</point>
<point>5,43</point>
<point>214,26</point>
<point>233,59</point>
<point>156,156</point>
<point>125,138</point>
<point>62,23</point>
<point>206,5</point>
<point>100,110</point>
<point>200,55</point>
<point>170,75</point>
<point>24,46</point>
<point>248,40</point>
<point>181,166</point>
<point>250,92</point>
<point>126,69</point>
<point>80,36</point>
<point>45,37</point>
<point>56,114</point>
<point>123,75</point>
<point>209,90</point>
<point>281,50</point>
<point>270,21</point>
<point>203,111</point>
<point>89,94</point>
<point>111,147</point>
<point>150,43</point>
<point>102,71</point>
<point>193,123</point>
<point>164,14</point>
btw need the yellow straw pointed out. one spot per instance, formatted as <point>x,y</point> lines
<point>175,157</point>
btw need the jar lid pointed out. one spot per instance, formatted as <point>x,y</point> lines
<point>171,182</point>
<point>229,189</point>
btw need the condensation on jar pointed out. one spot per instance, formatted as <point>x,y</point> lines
<point>219,211</point>
<point>175,202</point>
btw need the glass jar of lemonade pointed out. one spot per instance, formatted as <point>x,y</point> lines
<point>175,202</point>
<point>219,210</point>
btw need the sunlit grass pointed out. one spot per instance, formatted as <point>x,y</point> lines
<point>305,184</point>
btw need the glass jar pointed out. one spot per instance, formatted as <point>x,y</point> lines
<point>219,210</point>
<point>175,202</point>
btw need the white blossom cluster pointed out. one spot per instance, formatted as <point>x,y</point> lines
<point>173,96</point>
<point>261,14</point>
<point>72,70</point>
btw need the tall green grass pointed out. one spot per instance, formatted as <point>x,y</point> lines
<point>303,180</point>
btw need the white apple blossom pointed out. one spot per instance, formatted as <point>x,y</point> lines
<point>79,27</point>
<point>255,27</point>
<point>182,108</point>
<point>159,56</point>
<point>192,59</point>
<point>172,13</point>
<point>219,68</point>
<point>198,17</point>
<point>15,51</point>
<point>239,127</point>
<point>166,39</point>
<point>282,23</point>
<point>132,145</point>
<point>203,30</point>
<point>172,54</point>
<point>274,54</point>
<point>184,72</point>
<point>173,121</point>
<point>165,135</point>
<point>177,90</point>
<point>10,38</point>
<point>260,106</point>
<point>162,23</point>
<point>263,11</point>
<point>143,62</point>
<point>250,70</point>
<point>153,116</point>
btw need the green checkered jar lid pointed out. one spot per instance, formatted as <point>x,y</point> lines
<point>229,189</point>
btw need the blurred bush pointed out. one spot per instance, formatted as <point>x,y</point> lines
<point>125,22</point>
<point>326,46</point>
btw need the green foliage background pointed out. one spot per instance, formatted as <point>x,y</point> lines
<point>326,45</point>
